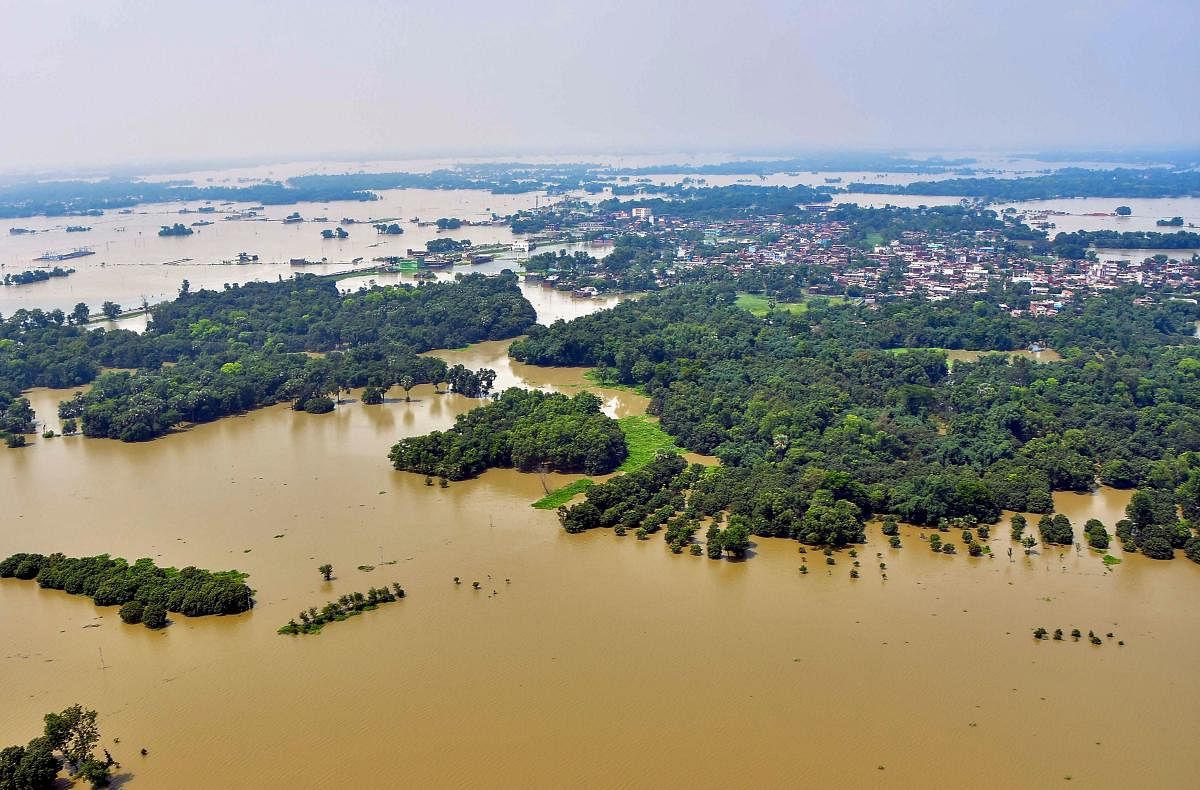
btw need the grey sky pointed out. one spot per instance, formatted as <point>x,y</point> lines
<point>114,82</point>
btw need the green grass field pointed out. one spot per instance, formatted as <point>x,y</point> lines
<point>759,305</point>
<point>644,439</point>
<point>562,496</point>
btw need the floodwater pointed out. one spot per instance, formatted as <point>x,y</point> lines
<point>581,656</point>
<point>132,262</point>
<point>1097,213</point>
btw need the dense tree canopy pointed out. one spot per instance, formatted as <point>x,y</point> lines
<point>525,429</point>
<point>237,349</point>
<point>824,417</point>
<point>111,581</point>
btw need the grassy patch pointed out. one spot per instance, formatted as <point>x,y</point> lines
<point>761,305</point>
<point>594,376</point>
<point>644,439</point>
<point>562,496</point>
<point>1109,559</point>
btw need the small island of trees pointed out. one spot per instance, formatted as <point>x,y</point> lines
<point>526,429</point>
<point>36,276</point>
<point>311,621</point>
<point>144,591</point>
<point>178,229</point>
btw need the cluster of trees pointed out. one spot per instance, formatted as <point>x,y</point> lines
<point>1152,524</point>
<point>144,591</point>
<point>388,229</point>
<point>442,246</point>
<point>820,419</point>
<point>178,229</point>
<point>449,223</point>
<point>1041,633</point>
<point>68,738</point>
<point>635,263</point>
<point>236,349</point>
<point>1075,245</point>
<point>338,233</point>
<point>59,198</point>
<point>1068,182</point>
<point>312,620</point>
<point>35,276</point>
<point>724,203</point>
<point>526,429</point>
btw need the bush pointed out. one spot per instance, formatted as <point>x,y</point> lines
<point>154,616</point>
<point>318,405</point>
<point>131,612</point>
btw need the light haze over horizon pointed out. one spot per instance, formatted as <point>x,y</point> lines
<point>127,83</point>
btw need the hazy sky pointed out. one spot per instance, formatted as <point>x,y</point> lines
<point>102,81</point>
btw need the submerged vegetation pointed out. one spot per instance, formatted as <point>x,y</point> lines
<point>526,429</point>
<point>69,739</point>
<point>144,591</point>
<point>819,425</point>
<point>311,621</point>
<point>238,349</point>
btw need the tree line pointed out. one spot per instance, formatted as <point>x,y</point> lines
<point>312,620</point>
<point>144,591</point>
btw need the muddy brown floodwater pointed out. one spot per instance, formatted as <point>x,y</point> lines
<point>585,660</point>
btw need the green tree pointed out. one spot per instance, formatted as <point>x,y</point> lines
<point>74,732</point>
<point>735,538</point>
<point>110,310</point>
<point>154,615</point>
<point>326,571</point>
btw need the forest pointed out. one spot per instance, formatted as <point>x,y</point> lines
<point>1068,182</point>
<point>1074,245</point>
<point>526,429</point>
<point>240,348</point>
<point>144,591</point>
<point>824,418</point>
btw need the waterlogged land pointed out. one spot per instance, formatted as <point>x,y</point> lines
<point>574,647</point>
<point>508,689</point>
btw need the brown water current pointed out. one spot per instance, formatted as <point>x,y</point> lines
<point>583,658</point>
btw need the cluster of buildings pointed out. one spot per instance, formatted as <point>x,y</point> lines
<point>937,264</point>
